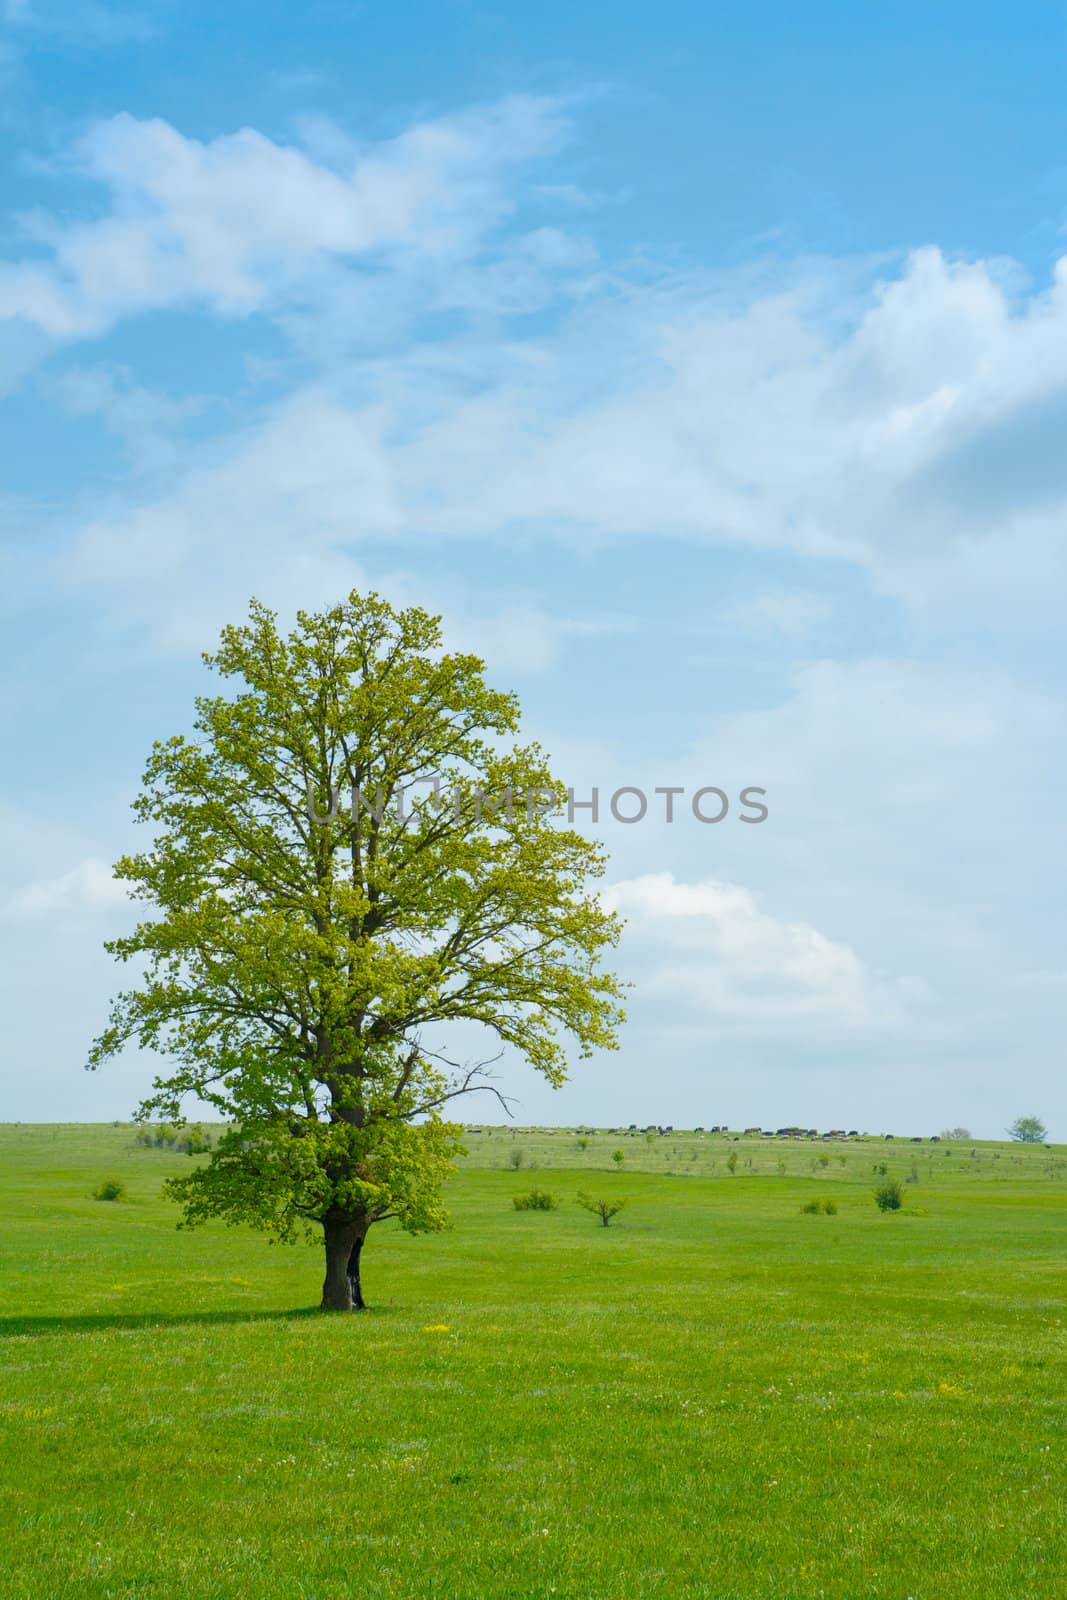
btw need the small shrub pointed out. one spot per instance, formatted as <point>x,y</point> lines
<point>516,1158</point>
<point>604,1209</point>
<point>618,1157</point>
<point>824,1160</point>
<point>110,1189</point>
<point>889,1196</point>
<point>731,1161</point>
<point>583,1144</point>
<point>536,1200</point>
<point>815,1208</point>
<point>830,1208</point>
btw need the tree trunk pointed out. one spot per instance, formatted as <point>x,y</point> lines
<point>343,1241</point>
<point>353,1274</point>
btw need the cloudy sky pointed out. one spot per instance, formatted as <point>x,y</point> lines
<point>707,371</point>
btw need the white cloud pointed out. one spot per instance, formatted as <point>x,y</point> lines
<point>914,430</point>
<point>150,424</point>
<point>711,948</point>
<point>237,222</point>
<point>87,887</point>
<point>907,418</point>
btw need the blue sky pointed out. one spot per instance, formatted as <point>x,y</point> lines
<point>705,367</point>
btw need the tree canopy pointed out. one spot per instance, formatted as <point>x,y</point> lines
<point>350,857</point>
<point>1028,1130</point>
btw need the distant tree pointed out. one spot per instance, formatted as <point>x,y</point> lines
<point>604,1209</point>
<point>300,955</point>
<point>1028,1130</point>
<point>889,1196</point>
<point>956,1133</point>
<point>618,1156</point>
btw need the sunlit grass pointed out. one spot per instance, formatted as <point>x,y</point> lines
<point>716,1396</point>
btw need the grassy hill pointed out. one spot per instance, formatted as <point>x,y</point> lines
<point>718,1396</point>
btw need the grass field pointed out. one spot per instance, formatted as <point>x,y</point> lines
<point>718,1396</point>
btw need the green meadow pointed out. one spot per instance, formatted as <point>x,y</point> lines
<point>719,1395</point>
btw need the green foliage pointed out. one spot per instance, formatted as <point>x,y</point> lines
<point>516,1157</point>
<point>110,1189</point>
<point>815,1208</point>
<point>731,1161</point>
<point>1028,1130</point>
<point>618,1156</point>
<point>889,1195</point>
<point>536,1200</point>
<point>604,1209</point>
<point>294,966</point>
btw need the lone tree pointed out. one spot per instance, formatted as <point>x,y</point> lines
<point>1028,1130</point>
<point>604,1209</point>
<point>320,915</point>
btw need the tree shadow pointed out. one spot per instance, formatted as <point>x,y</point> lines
<point>132,1321</point>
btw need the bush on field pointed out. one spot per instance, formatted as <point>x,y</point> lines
<point>536,1200</point>
<point>814,1208</point>
<point>516,1158</point>
<point>193,1143</point>
<point>110,1189</point>
<point>889,1195</point>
